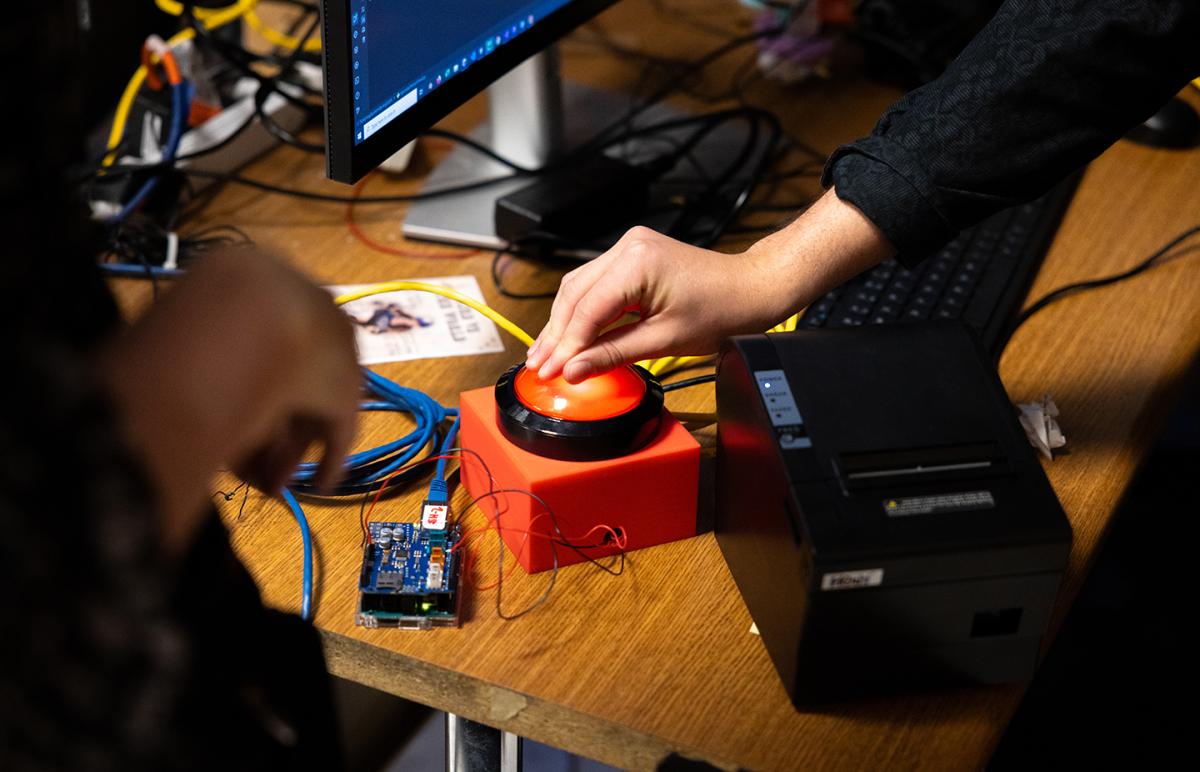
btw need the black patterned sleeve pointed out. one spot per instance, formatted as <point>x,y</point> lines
<point>1042,90</point>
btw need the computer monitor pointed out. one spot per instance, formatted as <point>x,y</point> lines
<point>394,68</point>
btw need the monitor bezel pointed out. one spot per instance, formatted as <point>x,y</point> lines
<point>347,162</point>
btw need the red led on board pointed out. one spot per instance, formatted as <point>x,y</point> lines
<point>604,396</point>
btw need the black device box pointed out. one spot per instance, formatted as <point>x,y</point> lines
<point>881,510</point>
<point>578,202</point>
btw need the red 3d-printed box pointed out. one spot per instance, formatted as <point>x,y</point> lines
<point>649,494</point>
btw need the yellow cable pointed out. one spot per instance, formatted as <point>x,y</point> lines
<point>664,365</point>
<point>275,37</point>
<point>246,10</point>
<point>416,286</point>
<point>210,17</point>
<point>121,117</point>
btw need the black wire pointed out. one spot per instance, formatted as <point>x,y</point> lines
<point>756,175</point>
<point>1082,286</point>
<point>271,85</point>
<point>243,59</point>
<point>481,148</point>
<point>354,483</point>
<point>689,382</point>
<point>541,600</point>
<point>554,544</point>
<point>692,67</point>
<point>278,132</point>
<point>692,21</point>
<point>228,496</point>
<point>390,487</point>
<point>312,196</point>
<point>498,282</point>
<point>143,241</point>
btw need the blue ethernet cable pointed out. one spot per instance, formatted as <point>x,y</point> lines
<point>306,582</point>
<point>438,492</point>
<point>141,271</point>
<point>181,99</point>
<point>367,468</point>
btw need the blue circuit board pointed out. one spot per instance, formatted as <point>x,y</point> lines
<point>410,577</point>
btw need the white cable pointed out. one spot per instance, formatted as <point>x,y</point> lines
<point>172,260</point>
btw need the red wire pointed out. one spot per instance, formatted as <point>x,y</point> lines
<point>619,537</point>
<point>358,233</point>
<point>379,493</point>
<point>620,540</point>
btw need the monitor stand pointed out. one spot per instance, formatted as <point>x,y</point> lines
<point>534,119</point>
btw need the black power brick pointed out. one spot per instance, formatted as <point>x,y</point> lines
<point>576,203</point>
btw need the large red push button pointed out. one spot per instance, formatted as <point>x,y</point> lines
<point>604,396</point>
<point>604,417</point>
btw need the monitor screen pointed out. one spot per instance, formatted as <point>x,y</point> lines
<point>395,67</point>
<point>402,51</point>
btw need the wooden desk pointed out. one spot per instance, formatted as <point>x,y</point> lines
<point>629,669</point>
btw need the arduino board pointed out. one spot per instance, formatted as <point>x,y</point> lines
<point>410,577</point>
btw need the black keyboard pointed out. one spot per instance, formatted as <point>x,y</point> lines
<point>981,277</point>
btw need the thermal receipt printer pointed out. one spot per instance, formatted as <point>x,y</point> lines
<point>881,510</point>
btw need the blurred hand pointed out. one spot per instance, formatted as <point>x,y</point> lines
<point>244,364</point>
<point>690,299</point>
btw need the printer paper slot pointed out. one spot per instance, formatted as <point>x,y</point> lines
<point>913,465</point>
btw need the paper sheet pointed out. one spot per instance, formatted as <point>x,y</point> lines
<point>1040,422</point>
<point>401,326</point>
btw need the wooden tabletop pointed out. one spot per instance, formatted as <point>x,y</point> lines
<point>628,669</point>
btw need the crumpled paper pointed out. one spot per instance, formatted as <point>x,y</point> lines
<point>1038,419</point>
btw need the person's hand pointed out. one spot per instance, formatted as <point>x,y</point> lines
<point>243,365</point>
<point>690,299</point>
<point>317,387</point>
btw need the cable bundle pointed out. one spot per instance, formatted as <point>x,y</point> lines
<point>366,468</point>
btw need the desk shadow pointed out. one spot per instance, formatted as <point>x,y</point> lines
<point>1096,417</point>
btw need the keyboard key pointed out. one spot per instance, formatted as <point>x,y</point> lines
<point>883,271</point>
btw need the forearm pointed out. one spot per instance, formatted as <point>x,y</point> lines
<point>827,245</point>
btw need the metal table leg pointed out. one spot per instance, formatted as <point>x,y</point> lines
<point>473,747</point>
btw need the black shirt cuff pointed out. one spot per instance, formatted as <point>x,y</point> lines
<point>887,185</point>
